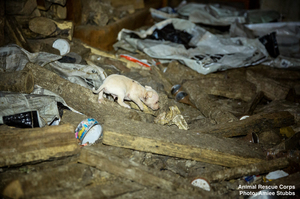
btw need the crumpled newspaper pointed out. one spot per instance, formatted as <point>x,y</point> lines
<point>172,117</point>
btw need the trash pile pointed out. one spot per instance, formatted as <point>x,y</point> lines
<point>228,120</point>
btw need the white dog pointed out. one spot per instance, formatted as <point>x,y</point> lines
<point>128,89</point>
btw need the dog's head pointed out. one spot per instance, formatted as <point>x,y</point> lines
<point>151,98</point>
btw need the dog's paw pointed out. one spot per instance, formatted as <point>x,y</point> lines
<point>101,101</point>
<point>127,106</point>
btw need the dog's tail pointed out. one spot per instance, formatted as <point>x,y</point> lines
<point>97,91</point>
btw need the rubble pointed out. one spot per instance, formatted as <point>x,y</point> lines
<point>229,108</point>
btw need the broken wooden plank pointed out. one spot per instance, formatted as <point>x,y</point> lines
<point>246,170</point>
<point>15,33</point>
<point>230,88</point>
<point>253,124</point>
<point>82,99</point>
<point>208,108</point>
<point>179,143</point>
<point>254,102</point>
<point>19,145</point>
<point>106,161</point>
<point>18,81</point>
<point>272,89</point>
<point>36,184</point>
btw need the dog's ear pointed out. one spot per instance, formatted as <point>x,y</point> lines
<point>148,87</point>
<point>148,95</point>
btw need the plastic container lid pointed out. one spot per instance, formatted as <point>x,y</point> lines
<point>62,45</point>
<point>201,183</point>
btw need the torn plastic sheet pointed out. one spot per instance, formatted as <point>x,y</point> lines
<point>211,14</point>
<point>211,52</point>
<point>287,35</point>
<point>15,58</point>
<point>283,62</point>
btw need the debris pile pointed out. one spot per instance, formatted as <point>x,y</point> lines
<point>228,120</point>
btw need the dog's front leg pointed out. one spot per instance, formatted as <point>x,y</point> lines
<point>121,101</point>
<point>138,102</point>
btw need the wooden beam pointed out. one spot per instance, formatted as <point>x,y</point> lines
<point>20,145</point>
<point>230,88</point>
<point>272,89</point>
<point>255,123</point>
<point>82,99</point>
<point>104,160</point>
<point>104,37</point>
<point>208,108</point>
<point>37,184</point>
<point>17,81</point>
<point>246,170</point>
<point>169,141</point>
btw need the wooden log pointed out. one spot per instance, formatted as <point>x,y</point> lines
<point>83,99</point>
<point>246,170</point>
<point>169,141</point>
<point>276,73</point>
<point>18,81</point>
<point>19,146</point>
<point>272,89</point>
<point>55,11</point>
<point>36,184</point>
<point>230,88</point>
<point>106,161</point>
<point>254,124</point>
<point>45,27</point>
<point>208,108</point>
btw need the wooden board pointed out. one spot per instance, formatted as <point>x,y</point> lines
<point>20,145</point>
<point>256,124</point>
<point>81,98</point>
<point>105,160</point>
<point>179,143</point>
<point>104,37</point>
<point>49,181</point>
